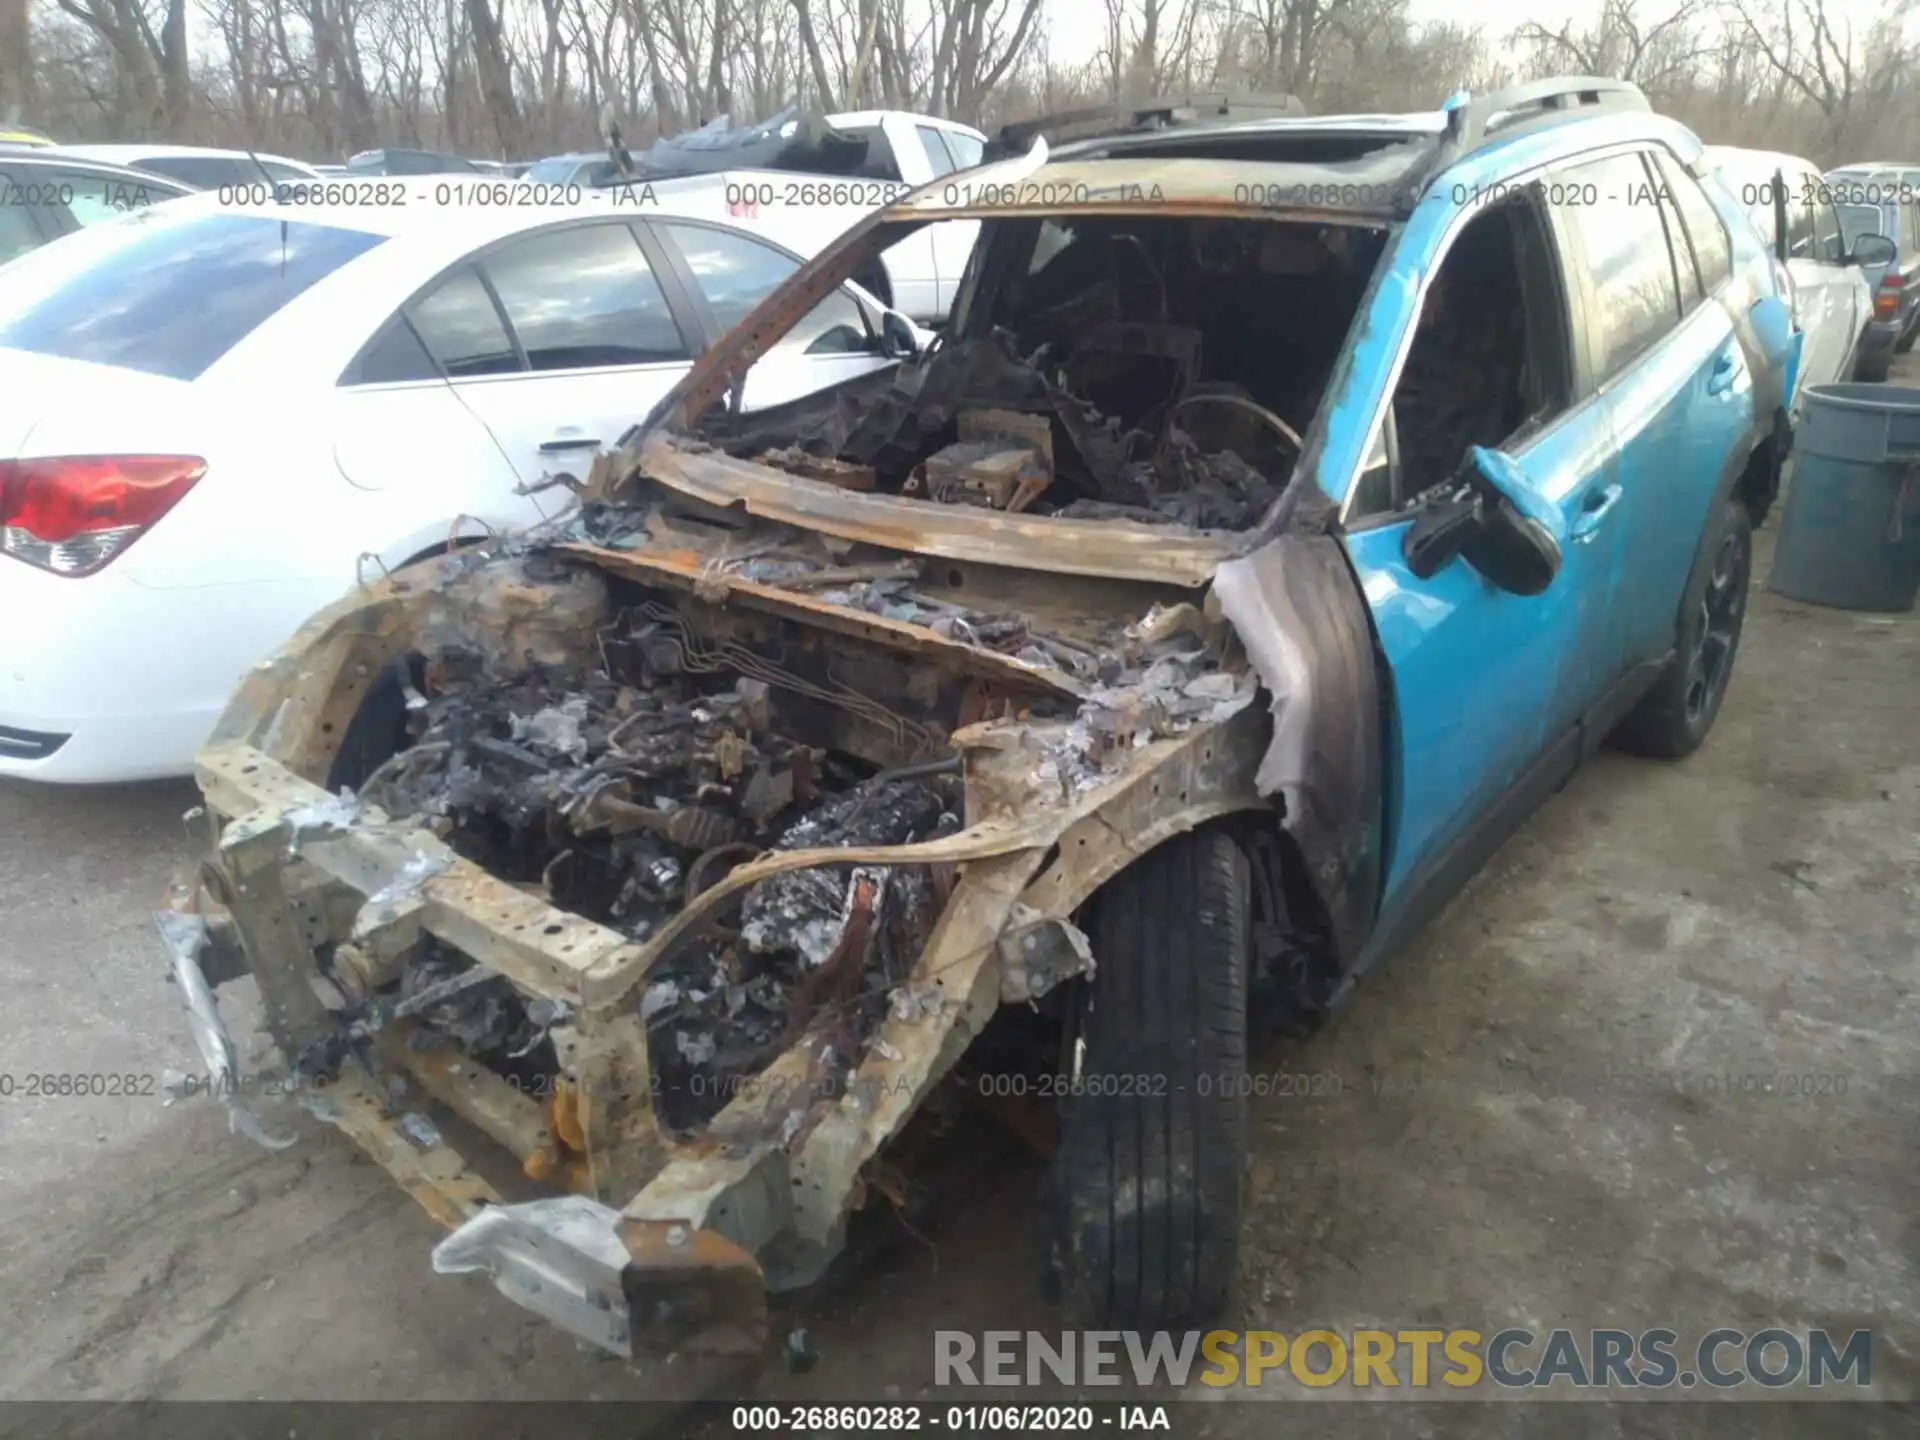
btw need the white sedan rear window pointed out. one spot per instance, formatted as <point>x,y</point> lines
<point>165,296</point>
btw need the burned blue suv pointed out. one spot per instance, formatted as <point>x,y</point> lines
<point>1024,712</point>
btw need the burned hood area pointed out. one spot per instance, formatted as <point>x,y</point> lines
<point>1124,367</point>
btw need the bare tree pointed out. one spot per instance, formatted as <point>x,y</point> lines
<point>1626,43</point>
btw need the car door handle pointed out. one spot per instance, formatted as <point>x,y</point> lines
<point>1593,510</point>
<point>1720,378</point>
<point>561,446</point>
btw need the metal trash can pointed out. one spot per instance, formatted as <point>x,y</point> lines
<point>1851,532</point>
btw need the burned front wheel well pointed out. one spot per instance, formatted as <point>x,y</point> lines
<point>378,730</point>
<point>1295,964</point>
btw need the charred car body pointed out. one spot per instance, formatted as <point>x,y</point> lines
<point>1279,520</point>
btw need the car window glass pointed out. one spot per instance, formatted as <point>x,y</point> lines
<point>284,172</point>
<point>1858,220</point>
<point>557,171</point>
<point>1827,244</point>
<point>19,233</point>
<point>1628,264</point>
<point>1706,232</point>
<point>1799,226</point>
<point>734,273</point>
<point>462,328</point>
<point>583,297</point>
<point>396,355</point>
<point>1684,270</point>
<point>1489,360</point>
<point>936,149</point>
<point>878,162</point>
<point>965,149</point>
<point>91,197</point>
<point>205,171</point>
<point>163,295</point>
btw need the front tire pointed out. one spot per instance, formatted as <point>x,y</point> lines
<point>1675,715</point>
<point>1146,1181</point>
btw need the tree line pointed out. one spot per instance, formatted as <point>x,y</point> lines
<point>515,79</point>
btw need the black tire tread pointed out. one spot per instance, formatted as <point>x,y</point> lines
<point>1658,727</point>
<point>1169,997</point>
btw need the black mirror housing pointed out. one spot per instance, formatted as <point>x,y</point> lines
<point>1495,520</point>
<point>1875,249</point>
<point>897,339</point>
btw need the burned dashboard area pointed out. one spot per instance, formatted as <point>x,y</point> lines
<point>694,734</point>
<point>1160,369</point>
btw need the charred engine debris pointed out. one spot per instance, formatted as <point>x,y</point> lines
<point>707,736</point>
<point>1121,378</point>
<point>621,796</point>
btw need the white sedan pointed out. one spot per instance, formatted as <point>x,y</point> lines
<point>1832,301</point>
<point>219,417</point>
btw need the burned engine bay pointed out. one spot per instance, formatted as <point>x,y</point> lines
<point>1159,370</point>
<point>703,729</point>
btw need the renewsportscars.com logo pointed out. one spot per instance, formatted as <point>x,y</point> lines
<point>1513,1359</point>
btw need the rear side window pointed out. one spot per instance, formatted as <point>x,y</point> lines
<point>95,198</point>
<point>1827,245</point>
<point>554,172</point>
<point>164,296</point>
<point>1858,220</point>
<point>18,232</point>
<point>461,327</point>
<point>1799,227</point>
<point>1629,265</point>
<point>736,273</point>
<point>936,148</point>
<point>733,272</point>
<point>965,149</point>
<point>208,172</point>
<point>584,297</point>
<point>1706,233</point>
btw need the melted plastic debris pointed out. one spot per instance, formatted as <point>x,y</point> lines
<point>414,874</point>
<point>419,1129</point>
<point>911,1004</point>
<point>185,936</point>
<point>558,729</point>
<point>330,816</point>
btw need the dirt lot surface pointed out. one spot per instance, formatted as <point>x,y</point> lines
<point>1753,912</point>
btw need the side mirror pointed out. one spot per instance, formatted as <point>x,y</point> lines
<point>897,339</point>
<point>1496,521</point>
<point>1872,250</point>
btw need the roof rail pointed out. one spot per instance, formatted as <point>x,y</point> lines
<point>1470,118</point>
<point>1126,118</point>
<point>1474,121</point>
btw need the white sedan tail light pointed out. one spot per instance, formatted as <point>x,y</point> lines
<point>72,514</point>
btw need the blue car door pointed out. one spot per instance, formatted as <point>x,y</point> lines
<point>1680,405</point>
<point>1488,686</point>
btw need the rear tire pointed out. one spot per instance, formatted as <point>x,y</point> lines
<point>1873,371</point>
<point>1146,1181</point>
<point>1675,715</point>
